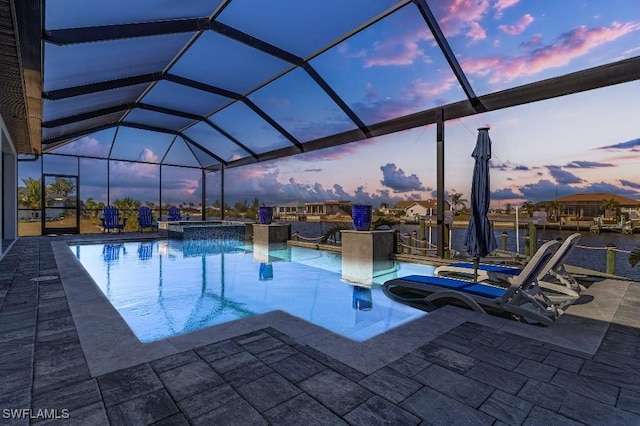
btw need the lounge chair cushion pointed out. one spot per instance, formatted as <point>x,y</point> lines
<point>500,269</point>
<point>478,289</point>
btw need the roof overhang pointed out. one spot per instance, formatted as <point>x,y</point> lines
<point>21,72</point>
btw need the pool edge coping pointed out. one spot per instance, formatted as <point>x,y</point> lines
<point>114,347</point>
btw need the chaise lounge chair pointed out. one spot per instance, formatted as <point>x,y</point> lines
<point>521,298</point>
<point>561,287</point>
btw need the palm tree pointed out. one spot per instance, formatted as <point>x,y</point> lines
<point>553,207</point>
<point>457,200</point>
<point>528,206</point>
<point>60,188</point>
<point>90,208</point>
<point>30,197</point>
<point>608,206</point>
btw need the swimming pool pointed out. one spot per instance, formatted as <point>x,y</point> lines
<point>169,287</point>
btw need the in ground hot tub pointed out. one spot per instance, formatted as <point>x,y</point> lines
<point>203,230</point>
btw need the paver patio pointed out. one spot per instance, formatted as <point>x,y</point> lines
<point>474,372</point>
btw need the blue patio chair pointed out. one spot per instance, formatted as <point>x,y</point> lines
<point>174,214</point>
<point>111,219</point>
<point>145,219</point>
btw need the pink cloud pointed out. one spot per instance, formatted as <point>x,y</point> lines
<point>501,5</point>
<point>476,32</point>
<point>405,55</point>
<point>519,27</point>
<point>148,156</point>
<point>423,89</point>
<point>534,41</point>
<point>459,15</point>
<point>401,49</point>
<point>569,46</point>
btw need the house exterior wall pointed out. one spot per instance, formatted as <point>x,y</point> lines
<point>9,185</point>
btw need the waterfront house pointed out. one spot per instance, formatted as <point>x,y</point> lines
<point>293,210</point>
<point>319,211</point>
<point>589,205</point>
<point>415,209</point>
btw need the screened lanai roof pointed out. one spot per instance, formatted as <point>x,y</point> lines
<point>225,83</point>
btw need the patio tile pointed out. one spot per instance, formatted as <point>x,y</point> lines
<point>438,409</point>
<point>390,384</point>
<point>208,400</point>
<point>340,367</point>
<point>525,348</point>
<point>490,338</point>
<point>629,401</point>
<point>543,394</point>
<point>456,386</point>
<point>613,375</point>
<point>542,417</point>
<point>496,357</point>
<point>189,379</point>
<point>624,362</point>
<point>246,374</point>
<point>71,397</point>
<point>11,397</point>
<point>235,361</point>
<point>457,343</point>
<point>59,378</point>
<point>568,351</point>
<point>335,391</point>
<point>586,386</point>
<point>302,410</point>
<point>93,414</point>
<point>56,325</point>
<point>219,350</point>
<point>536,370</point>
<point>261,345</point>
<point>276,354</point>
<point>144,409</point>
<point>298,367</point>
<point>172,361</point>
<point>564,361</point>
<point>280,335</point>
<point>588,411</point>
<point>127,384</point>
<point>253,336</point>
<point>497,377</point>
<point>377,411</point>
<point>268,391</point>
<point>446,357</point>
<point>175,420</point>
<point>237,412</point>
<point>409,365</point>
<point>506,408</point>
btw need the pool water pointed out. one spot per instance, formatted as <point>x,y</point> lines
<point>170,287</point>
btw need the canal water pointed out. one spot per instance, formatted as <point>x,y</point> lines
<point>590,252</point>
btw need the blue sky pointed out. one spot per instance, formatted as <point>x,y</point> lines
<point>581,143</point>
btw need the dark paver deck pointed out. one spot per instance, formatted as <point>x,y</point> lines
<point>473,372</point>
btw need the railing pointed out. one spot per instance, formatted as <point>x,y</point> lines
<point>410,243</point>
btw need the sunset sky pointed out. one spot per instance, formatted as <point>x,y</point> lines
<point>587,142</point>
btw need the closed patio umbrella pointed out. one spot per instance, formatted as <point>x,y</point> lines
<point>479,239</point>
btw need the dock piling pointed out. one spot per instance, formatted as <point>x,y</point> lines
<point>611,259</point>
